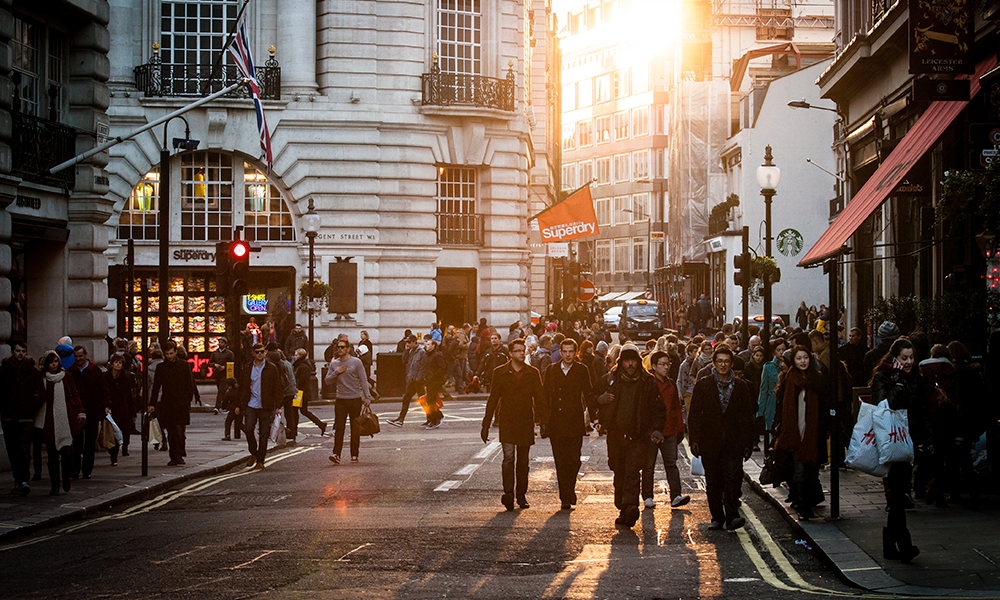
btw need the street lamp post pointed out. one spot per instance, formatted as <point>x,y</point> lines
<point>311,223</point>
<point>768,177</point>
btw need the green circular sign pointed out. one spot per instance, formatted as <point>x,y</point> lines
<point>789,242</point>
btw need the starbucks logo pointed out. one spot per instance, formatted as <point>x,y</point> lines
<point>789,242</point>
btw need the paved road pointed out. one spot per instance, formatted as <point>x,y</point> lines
<point>418,517</point>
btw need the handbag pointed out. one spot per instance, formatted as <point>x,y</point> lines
<point>367,422</point>
<point>892,434</point>
<point>862,452</point>
<point>775,469</point>
<point>697,467</point>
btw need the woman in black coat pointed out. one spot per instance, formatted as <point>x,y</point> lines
<point>897,380</point>
<point>121,388</point>
<point>305,381</point>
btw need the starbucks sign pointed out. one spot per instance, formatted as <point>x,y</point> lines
<point>789,242</point>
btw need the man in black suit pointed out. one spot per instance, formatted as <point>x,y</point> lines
<point>568,391</point>
<point>720,429</point>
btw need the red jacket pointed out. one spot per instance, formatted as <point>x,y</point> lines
<point>674,423</point>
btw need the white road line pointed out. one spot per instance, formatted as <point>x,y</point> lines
<point>250,562</point>
<point>552,459</point>
<point>489,449</point>
<point>448,485</point>
<point>344,557</point>
<point>467,469</point>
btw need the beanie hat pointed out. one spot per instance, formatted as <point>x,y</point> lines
<point>602,347</point>
<point>888,331</point>
<point>66,357</point>
<point>629,348</point>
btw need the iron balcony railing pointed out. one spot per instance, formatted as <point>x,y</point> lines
<point>461,89</point>
<point>460,229</point>
<point>156,79</point>
<point>39,144</point>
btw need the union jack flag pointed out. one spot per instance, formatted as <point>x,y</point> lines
<point>240,50</point>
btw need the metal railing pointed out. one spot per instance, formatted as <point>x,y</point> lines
<point>461,229</point>
<point>155,79</point>
<point>39,144</point>
<point>460,89</point>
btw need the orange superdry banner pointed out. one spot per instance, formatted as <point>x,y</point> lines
<point>570,219</point>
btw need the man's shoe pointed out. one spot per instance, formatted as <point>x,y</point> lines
<point>290,443</point>
<point>354,459</point>
<point>66,486</point>
<point>436,425</point>
<point>507,502</point>
<point>24,489</point>
<point>114,463</point>
<point>227,439</point>
<point>736,523</point>
<point>335,459</point>
<point>632,516</point>
<point>621,520</point>
<point>180,461</point>
<point>715,525</point>
<point>322,430</point>
<point>523,503</point>
<point>680,500</point>
<point>566,506</point>
<point>650,503</point>
<point>251,461</point>
<point>259,466</point>
<point>16,489</point>
<point>394,422</point>
<point>572,499</point>
<point>124,452</point>
<point>173,463</point>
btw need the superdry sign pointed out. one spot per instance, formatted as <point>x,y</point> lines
<point>570,219</point>
<point>189,255</point>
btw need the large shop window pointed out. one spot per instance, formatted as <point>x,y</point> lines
<point>197,312</point>
<point>210,202</point>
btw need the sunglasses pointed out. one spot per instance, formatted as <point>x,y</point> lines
<point>342,347</point>
<point>259,351</point>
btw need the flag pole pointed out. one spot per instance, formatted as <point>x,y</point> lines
<point>229,42</point>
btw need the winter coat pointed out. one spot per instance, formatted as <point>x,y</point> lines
<point>717,433</point>
<point>173,405</point>
<point>907,391</point>
<point>516,400</point>
<point>271,392</point>
<point>649,414</point>
<point>766,400</point>
<point>819,393</point>
<point>415,361</point>
<point>305,377</point>
<point>20,389</point>
<point>436,370</point>
<point>294,341</point>
<point>673,422</point>
<point>567,395</point>
<point>92,388</point>
<point>123,406</point>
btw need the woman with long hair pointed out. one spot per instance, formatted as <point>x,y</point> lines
<point>123,409</point>
<point>898,381</point>
<point>59,420</point>
<point>798,423</point>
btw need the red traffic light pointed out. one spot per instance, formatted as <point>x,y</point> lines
<point>239,249</point>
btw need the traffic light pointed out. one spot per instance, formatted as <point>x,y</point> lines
<point>222,268</point>
<point>239,266</point>
<point>741,276</point>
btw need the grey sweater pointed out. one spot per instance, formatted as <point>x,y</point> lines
<point>352,383</point>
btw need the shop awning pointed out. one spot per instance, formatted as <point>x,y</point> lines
<point>629,296</point>
<point>911,148</point>
<point>609,296</point>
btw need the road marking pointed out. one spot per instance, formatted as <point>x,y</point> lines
<point>344,557</point>
<point>250,562</point>
<point>552,459</point>
<point>468,469</point>
<point>448,485</point>
<point>488,450</point>
<point>160,562</point>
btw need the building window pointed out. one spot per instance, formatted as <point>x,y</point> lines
<point>640,207</point>
<point>640,78</point>
<point>586,172</point>
<point>622,256</point>
<point>774,24</point>
<point>38,61</point>
<point>569,176</point>
<point>640,120</point>
<point>569,136</point>
<point>639,260</point>
<point>585,93</point>
<point>458,222</point>
<point>265,216</point>
<point>603,211</point>
<point>622,169</point>
<point>659,166</point>
<point>206,196</point>
<point>602,256</point>
<point>584,133</point>
<point>140,216</point>
<point>640,165</point>
<point>602,88</point>
<point>604,170</point>
<point>459,34</point>
<point>193,33</point>
<point>197,313</point>
<point>623,85</point>
<point>623,209</point>
<point>569,96</point>
<point>621,125</point>
<point>659,119</point>
<point>603,126</point>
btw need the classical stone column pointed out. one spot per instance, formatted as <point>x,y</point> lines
<point>8,184</point>
<point>297,47</point>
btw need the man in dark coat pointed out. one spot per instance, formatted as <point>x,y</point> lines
<point>93,390</point>
<point>853,355</point>
<point>720,428</point>
<point>295,340</point>
<point>632,414</point>
<point>887,334</point>
<point>491,359</point>
<point>173,407</point>
<point>568,392</point>
<point>261,394</point>
<point>217,360</point>
<point>518,396</point>
<point>20,397</point>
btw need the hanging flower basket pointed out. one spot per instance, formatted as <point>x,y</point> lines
<point>320,293</point>
<point>759,267</point>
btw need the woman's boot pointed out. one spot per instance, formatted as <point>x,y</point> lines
<point>889,550</point>
<point>803,506</point>
<point>907,551</point>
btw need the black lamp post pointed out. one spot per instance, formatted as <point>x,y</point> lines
<point>768,177</point>
<point>311,224</point>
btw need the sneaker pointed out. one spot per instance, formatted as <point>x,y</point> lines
<point>354,459</point>
<point>114,463</point>
<point>680,500</point>
<point>24,489</point>
<point>394,422</point>
<point>335,459</point>
<point>650,503</point>
<point>215,411</point>
<point>435,425</point>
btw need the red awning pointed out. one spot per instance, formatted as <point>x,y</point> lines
<point>911,148</point>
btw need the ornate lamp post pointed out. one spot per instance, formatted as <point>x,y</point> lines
<point>311,223</point>
<point>768,177</point>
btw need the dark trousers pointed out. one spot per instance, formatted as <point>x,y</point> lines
<point>625,459</point>
<point>668,449</point>
<point>292,418</point>
<point>566,452</point>
<point>898,481</point>
<point>723,482</point>
<point>236,422</point>
<point>304,410</point>
<point>175,440</point>
<point>17,439</point>
<point>515,471</point>
<point>66,454</point>
<point>346,407</point>
<point>259,419</point>
<point>413,388</point>
<point>84,444</point>
<point>433,391</point>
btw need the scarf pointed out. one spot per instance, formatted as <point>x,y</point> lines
<point>788,439</point>
<point>725,388</point>
<point>60,416</point>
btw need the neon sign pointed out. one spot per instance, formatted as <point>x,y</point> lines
<point>255,304</point>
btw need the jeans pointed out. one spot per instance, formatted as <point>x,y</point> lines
<point>433,391</point>
<point>17,438</point>
<point>898,481</point>
<point>457,372</point>
<point>292,417</point>
<point>259,419</point>
<point>723,483</point>
<point>626,458</point>
<point>515,471</point>
<point>54,455</point>
<point>413,388</point>
<point>236,422</point>
<point>84,444</point>
<point>304,410</point>
<point>668,450</point>
<point>346,407</point>
<point>566,452</point>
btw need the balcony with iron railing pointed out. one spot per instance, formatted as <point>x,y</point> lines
<point>39,144</point>
<point>468,90</point>
<point>156,79</point>
<point>460,229</point>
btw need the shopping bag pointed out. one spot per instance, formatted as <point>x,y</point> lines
<point>278,428</point>
<point>367,422</point>
<point>424,405</point>
<point>106,436</point>
<point>155,431</point>
<point>119,438</point>
<point>892,434</point>
<point>697,467</point>
<point>862,452</point>
<point>297,401</point>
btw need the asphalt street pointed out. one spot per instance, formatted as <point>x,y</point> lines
<point>418,517</point>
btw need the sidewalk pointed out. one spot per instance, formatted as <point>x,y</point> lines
<point>959,545</point>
